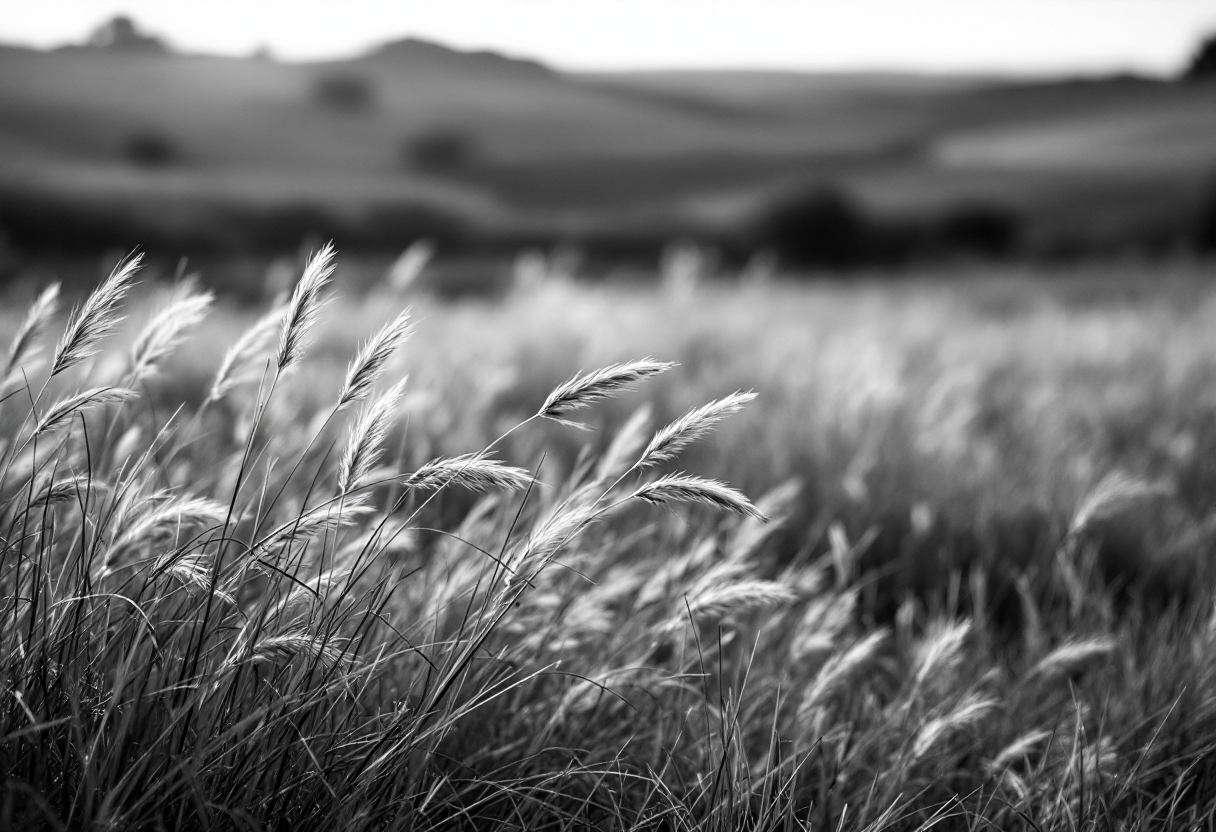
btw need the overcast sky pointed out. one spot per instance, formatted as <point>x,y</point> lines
<point>1008,36</point>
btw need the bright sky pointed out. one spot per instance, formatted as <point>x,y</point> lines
<point>1009,36</point>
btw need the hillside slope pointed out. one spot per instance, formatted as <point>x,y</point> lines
<point>504,143</point>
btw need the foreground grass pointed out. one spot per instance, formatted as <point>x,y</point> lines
<point>268,609</point>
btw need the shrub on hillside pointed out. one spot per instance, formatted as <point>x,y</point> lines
<point>150,149</point>
<point>441,151</point>
<point>980,228</point>
<point>344,92</point>
<point>817,227</point>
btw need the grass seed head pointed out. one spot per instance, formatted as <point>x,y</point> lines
<point>683,488</point>
<point>692,426</point>
<point>39,316</point>
<point>940,653</point>
<point>368,364</point>
<point>1018,750</point>
<point>839,670</point>
<point>1115,494</point>
<point>303,307</point>
<point>581,391</point>
<point>241,359</point>
<point>969,713</point>
<point>67,489</point>
<point>367,437</point>
<point>527,559</point>
<point>287,646</point>
<point>476,471</point>
<point>726,600</point>
<point>96,318</point>
<point>166,331</point>
<point>166,518</point>
<point>409,266</point>
<point>1072,657</point>
<point>60,412</point>
<point>327,517</point>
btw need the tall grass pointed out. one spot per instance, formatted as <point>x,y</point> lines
<point>241,614</point>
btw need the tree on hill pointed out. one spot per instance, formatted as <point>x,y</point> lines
<point>1203,65</point>
<point>121,33</point>
<point>442,151</point>
<point>816,227</point>
<point>150,148</point>
<point>344,92</point>
<point>1206,230</point>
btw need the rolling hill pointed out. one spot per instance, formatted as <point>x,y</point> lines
<point>178,146</point>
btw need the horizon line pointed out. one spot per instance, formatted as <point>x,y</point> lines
<point>265,53</point>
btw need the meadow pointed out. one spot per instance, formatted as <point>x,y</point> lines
<point>885,552</point>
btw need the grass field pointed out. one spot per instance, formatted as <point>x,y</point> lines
<point>286,581</point>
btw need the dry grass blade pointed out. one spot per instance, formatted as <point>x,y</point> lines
<point>96,318</point>
<point>581,391</point>
<point>36,320</point>
<point>240,357</point>
<point>683,488</point>
<point>476,471</point>
<point>366,443</point>
<point>63,410</point>
<point>303,307</point>
<point>166,331</point>
<point>692,426</point>
<point>367,366</point>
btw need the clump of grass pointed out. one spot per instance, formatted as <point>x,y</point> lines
<point>273,627</point>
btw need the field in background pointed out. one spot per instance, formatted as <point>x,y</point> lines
<point>181,153</point>
<point>986,592</point>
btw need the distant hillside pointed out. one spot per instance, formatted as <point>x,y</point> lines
<point>508,146</point>
<point>425,56</point>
